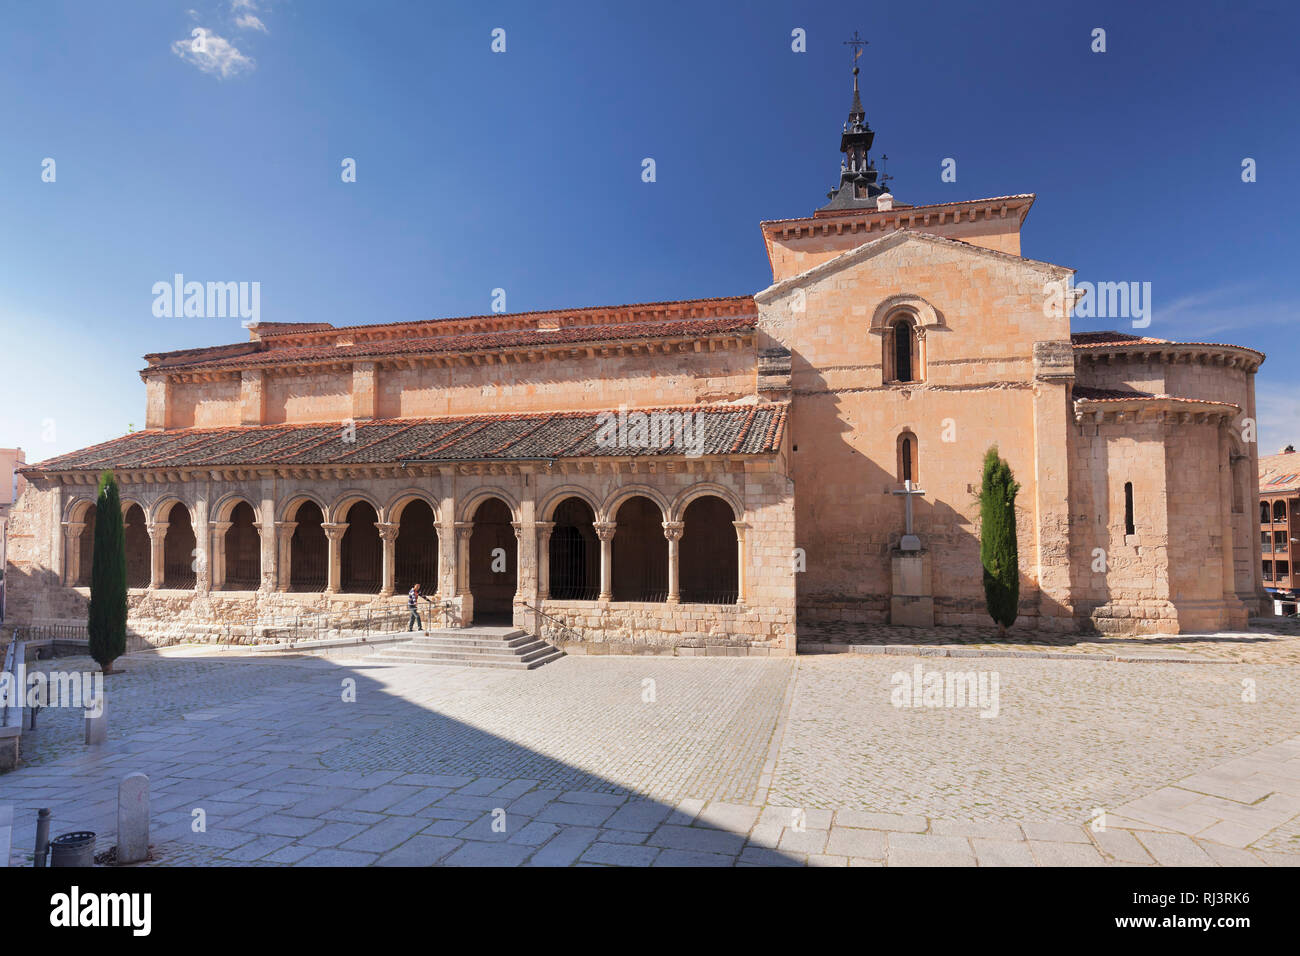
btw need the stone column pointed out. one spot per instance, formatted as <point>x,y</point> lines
<point>388,535</point>
<point>284,548</point>
<point>157,536</point>
<point>334,532</point>
<point>202,545</point>
<point>463,531</point>
<point>673,532</point>
<point>217,555</point>
<point>521,582</point>
<point>72,566</point>
<point>544,529</point>
<point>742,578</point>
<point>605,531</point>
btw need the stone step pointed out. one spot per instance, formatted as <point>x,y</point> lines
<point>470,641</point>
<point>452,650</point>
<point>474,647</point>
<point>513,663</point>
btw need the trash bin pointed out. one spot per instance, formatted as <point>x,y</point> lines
<point>73,849</point>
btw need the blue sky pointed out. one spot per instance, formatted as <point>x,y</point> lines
<point>522,170</point>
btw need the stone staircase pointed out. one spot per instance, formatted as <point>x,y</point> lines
<point>474,647</point>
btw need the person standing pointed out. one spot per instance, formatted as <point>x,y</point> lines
<point>413,602</point>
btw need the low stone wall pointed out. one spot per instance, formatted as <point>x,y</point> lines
<point>604,627</point>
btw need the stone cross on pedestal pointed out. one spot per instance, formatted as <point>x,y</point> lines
<point>909,542</point>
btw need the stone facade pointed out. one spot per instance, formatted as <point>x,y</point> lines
<point>896,343</point>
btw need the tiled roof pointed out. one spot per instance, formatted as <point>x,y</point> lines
<point>727,430</point>
<point>255,354</point>
<point>1085,340</point>
<point>1090,394</point>
<point>1279,474</point>
<point>1096,340</point>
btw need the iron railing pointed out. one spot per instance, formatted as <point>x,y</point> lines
<point>316,625</point>
<point>565,629</point>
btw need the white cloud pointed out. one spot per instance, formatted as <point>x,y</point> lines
<point>218,57</point>
<point>250,22</point>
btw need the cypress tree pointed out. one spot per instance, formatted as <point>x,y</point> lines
<point>106,620</point>
<point>998,540</point>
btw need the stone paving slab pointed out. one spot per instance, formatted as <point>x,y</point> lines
<point>284,777</point>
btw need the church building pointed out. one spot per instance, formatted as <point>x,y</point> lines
<point>704,476</point>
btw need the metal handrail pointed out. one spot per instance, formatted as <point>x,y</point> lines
<point>9,668</point>
<point>565,626</point>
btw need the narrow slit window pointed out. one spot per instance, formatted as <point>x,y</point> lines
<point>1128,508</point>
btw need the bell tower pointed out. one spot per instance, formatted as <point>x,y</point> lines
<point>858,186</point>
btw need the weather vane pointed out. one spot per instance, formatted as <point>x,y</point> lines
<point>857,43</point>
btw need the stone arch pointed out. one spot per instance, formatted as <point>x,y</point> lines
<point>289,508</point>
<point>308,548</point>
<point>907,456</point>
<point>684,498</point>
<point>470,504</point>
<point>179,545</point>
<point>708,556</point>
<point>493,558</point>
<point>241,548</point>
<point>85,545</point>
<point>162,508</point>
<point>77,508</point>
<point>227,503</point>
<point>135,534</point>
<point>615,500</point>
<point>553,499</point>
<point>415,550</point>
<point>923,314</point>
<point>398,502</point>
<point>573,554</point>
<point>639,549</point>
<point>361,551</point>
<point>343,504</point>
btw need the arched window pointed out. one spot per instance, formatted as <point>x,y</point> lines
<point>308,550</point>
<point>415,553</point>
<point>136,534</point>
<point>243,551</point>
<point>574,553</point>
<point>640,552</point>
<point>1128,508</point>
<point>361,553</point>
<point>179,549</point>
<point>1279,511</point>
<point>902,360</point>
<point>707,554</point>
<point>1263,512</point>
<point>908,458</point>
<point>87,547</point>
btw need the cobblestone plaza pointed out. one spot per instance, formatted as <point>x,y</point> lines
<point>663,761</point>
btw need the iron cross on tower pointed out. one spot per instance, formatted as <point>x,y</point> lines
<point>910,542</point>
<point>857,42</point>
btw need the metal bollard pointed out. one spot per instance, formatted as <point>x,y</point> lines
<point>42,836</point>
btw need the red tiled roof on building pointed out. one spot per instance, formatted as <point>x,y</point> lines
<point>256,354</point>
<point>1279,474</point>
<point>724,430</point>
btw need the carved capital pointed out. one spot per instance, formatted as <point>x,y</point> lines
<point>387,530</point>
<point>334,531</point>
<point>673,530</point>
<point>605,529</point>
